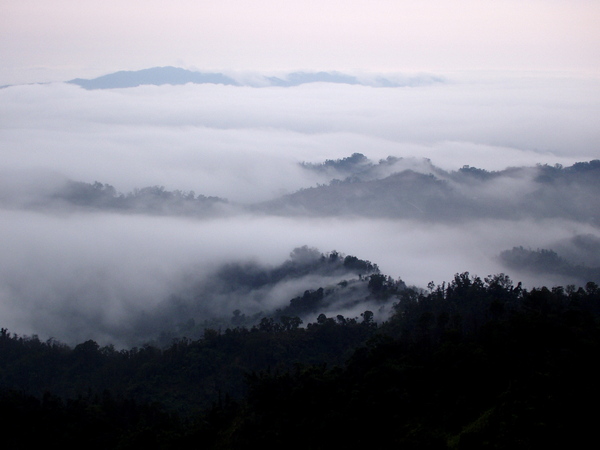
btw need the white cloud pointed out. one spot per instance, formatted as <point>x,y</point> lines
<point>71,272</point>
<point>243,143</point>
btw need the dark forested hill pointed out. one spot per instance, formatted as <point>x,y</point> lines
<point>470,363</point>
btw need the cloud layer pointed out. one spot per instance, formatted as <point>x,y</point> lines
<point>73,274</point>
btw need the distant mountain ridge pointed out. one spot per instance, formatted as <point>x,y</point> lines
<point>158,76</point>
<point>392,188</point>
<point>355,186</point>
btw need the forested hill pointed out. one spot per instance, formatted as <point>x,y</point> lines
<point>152,200</point>
<point>355,186</point>
<point>429,193</point>
<point>549,261</point>
<point>466,364</point>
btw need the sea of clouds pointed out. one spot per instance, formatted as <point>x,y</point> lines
<point>75,275</point>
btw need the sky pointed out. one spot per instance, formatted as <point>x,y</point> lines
<point>520,86</point>
<point>44,41</point>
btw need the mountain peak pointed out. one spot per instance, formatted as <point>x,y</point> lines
<point>156,76</point>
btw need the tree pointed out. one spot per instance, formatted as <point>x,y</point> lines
<point>290,323</point>
<point>368,318</point>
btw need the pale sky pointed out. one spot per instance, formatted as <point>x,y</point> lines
<point>42,40</point>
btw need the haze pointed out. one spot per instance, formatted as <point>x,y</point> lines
<point>519,87</point>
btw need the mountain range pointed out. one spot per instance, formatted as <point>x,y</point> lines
<point>395,188</point>
<point>158,76</point>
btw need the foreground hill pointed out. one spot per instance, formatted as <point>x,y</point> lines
<point>469,364</point>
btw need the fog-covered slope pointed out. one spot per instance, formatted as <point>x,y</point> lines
<point>539,192</point>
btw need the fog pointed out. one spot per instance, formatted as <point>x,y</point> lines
<point>70,276</point>
<point>75,273</point>
<point>243,143</point>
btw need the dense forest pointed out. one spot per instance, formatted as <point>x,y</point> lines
<point>470,363</point>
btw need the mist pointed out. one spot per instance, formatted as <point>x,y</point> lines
<point>95,275</point>
<point>229,140</point>
<point>73,272</point>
